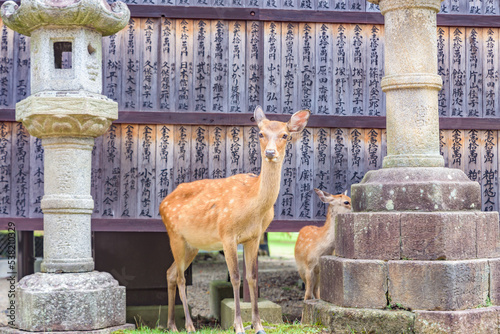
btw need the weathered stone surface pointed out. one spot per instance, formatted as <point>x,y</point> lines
<point>353,283</point>
<point>494,265</point>
<point>154,316</point>
<point>351,320</point>
<point>69,302</point>
<point>368,236</point>
<point>439,235</point>
<point>109,330</point>
<point>268,311</point>
<point>487,235</point>
<point>480,321</point>
<point>438,285</point>
<point>220,290</point>
<point>415,189</point>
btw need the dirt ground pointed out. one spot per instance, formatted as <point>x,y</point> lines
<point>278,282</point>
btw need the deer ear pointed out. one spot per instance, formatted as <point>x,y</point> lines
<point>259,115</point>
<point>322,195</point>
<point>298,121</point>
<point>345,193</point>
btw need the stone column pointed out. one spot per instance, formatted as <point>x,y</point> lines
<point>67,112</point>
<point>416,239</point>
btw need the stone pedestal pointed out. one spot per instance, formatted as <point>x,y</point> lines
<point>416,239</point>
<point>67,112</point>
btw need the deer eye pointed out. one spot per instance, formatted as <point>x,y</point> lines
<point>346,203</point>
<point>261,135</point>
<point>285,136</point>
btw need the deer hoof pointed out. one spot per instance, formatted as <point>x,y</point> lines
<point>261,332</point>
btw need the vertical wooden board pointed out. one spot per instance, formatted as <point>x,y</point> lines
<point>22,82</point>
<point>472,157</point>
<point>475,7</point>
<point>131,66</point>
<point>371,7</point>
<point>253,3</point>
<point>166,2</point>
<point>491,7</point>
<point>111,173</point>
<point>6,170</point>
<point>234,150</point>
<point>356,161</point>
<point>199,153</point>
<point>443,147</point>
<point>341,69</point>
<point>305,175</point>
<point>129,166</point>
<point>272,60</point>
<point>293,4</point>
<point>383,148</point>
<point>458,103</point>
<point>201,65</point>
<point>219,80</point>
<point>96,176</point>
<point>223,3</point>
<point>374,72</point>
<point>113,70</point>
<point>373,149</point>
<point>443,56</point>
<point>254,67</point>
<point>458,6</point>
<point>146,171</point>
<point>455,140</point>
<point>339,164</point>
<point>285,203</point>
<point>7,68</point>
<point>182,154</point>
<point>445,7</point>
<point>340,5</point>
<point>307,4</point>
<point>490,72</point>
<point>236,3</point>
<point>474,78</point>
<point>357,5</point>
<point>322,169</point>
<point>289,72</point>
<point>270,4</point>
<point>167,65</point>
<point>184,65</point>
<point>20,170</point>
<point>148,78</point>
<point>307,66</point>
<point>358,61</point>
<point>190,2</point>
<point>237,100</point>
<point>164,169</point>
<point>218,156</point>
<point>324,69</point>
<point>36,177</point>
<point>251,150</point>
<point>489,179</point>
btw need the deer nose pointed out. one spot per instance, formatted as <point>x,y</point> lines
<point>270,154</point>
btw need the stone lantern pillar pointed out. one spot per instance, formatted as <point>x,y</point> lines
<point>416,240</point>
<point>67,111</point>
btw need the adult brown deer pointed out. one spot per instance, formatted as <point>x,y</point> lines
<point>314,242</point>
<point>220,214</point>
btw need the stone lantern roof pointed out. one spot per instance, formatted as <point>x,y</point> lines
<point>105,18</point>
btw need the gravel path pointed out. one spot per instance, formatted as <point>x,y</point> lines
<point>278,282</point>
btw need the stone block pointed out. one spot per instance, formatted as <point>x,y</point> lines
<point>351,320</point>
<point>108,330</point>
<point>368,236</point>
<point>438,235</point>
<point>268,311</point>
<point>155,316</point>
<point>478,321</point>
<point>438,285</point>
<point>69,302</point>
<point>353,283</point>
<point>415,189</point>
<point>487,235</point>
<point>494,265</point>
<point>220,290</point>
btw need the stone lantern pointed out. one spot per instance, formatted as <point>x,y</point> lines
<point>67,111</point>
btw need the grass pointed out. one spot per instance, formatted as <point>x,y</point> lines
<point>281,243</point>
<point>296,328</point>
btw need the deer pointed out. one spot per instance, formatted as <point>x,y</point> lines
<point>219,214</point>
<point>314,242</point>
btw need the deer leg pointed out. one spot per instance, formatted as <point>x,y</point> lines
<point>316,282</point>
<point>309,284</point>
<point>251,252</point>
<point>231,255</point>
<point>172,286</point>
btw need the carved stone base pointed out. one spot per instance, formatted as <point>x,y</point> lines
<point>69,302</point>
<point>109,330</point>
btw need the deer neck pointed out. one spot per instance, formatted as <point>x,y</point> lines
<point>269,183</point>
<point>330,221</point>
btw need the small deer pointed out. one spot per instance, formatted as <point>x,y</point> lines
<point>314,242</point>
<point>222,213</point>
